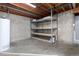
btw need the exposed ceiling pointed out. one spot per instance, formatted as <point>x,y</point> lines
<point>42,9</point>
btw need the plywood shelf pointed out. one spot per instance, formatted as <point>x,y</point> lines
<point>43,34</point>
<point>45,19</point>
<point>45,28</point>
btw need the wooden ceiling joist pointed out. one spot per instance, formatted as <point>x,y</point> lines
<point>42,6</point>
<point>15,11</point>
<point>5,5</point>
<point>76,10</point>
<point>28,8</point>
<point>74,5</point>
<point>42,9</point>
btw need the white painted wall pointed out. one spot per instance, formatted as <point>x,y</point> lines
<point>20,27</point>
<point>4,34</point>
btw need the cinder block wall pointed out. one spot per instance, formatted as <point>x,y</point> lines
<point>20,27</point>
<point>65,27</point>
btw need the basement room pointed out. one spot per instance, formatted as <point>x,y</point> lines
<point>39,29</point>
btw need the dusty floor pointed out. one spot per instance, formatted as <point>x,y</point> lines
<point>36,47</point>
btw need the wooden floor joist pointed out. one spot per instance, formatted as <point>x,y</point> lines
<point>42,9</point>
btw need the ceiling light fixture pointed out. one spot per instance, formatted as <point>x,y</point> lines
<point>31,5</point>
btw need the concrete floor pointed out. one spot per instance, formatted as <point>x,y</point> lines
<point>36,47</point>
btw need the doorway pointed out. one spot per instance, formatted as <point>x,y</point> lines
<point>76,31</point>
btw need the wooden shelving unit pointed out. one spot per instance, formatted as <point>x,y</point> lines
<point>41,28</point>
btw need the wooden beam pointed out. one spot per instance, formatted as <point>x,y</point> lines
<point>74,5</point>
<point>49,5</point>
<point>44,7</point>
<point>56,7</point>
<point>6,5</point>
<point>77,4</point>
<point>76,10</point>
<point>29,8</point>
<point>42,11</point>
<point>70,6</point>
<point>12,11</point>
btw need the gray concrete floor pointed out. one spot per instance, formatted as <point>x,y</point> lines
<point>36,47</point>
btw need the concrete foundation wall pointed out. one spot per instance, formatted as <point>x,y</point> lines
<point>20,27</point>
<point>65,27</point>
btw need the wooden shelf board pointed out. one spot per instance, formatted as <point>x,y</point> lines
<point>45,28</point>
<point>42,28</point>
<point>45,19</point>
<point>43,34</point>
